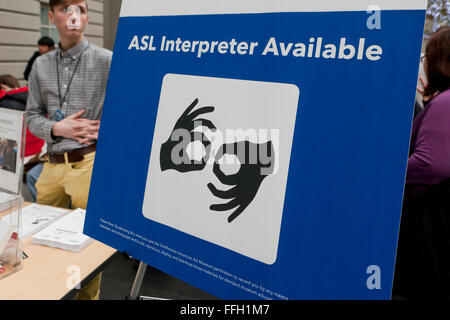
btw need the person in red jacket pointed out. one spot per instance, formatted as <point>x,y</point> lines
<point>14,97</point>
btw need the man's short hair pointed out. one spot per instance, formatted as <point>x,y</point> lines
<point>54,3</point>
<point>9,80</point>
<point>46,41</point>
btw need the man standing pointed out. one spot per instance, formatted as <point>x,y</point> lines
<point>45,44</point>
<point>67,85</point>
<point>65,101</point>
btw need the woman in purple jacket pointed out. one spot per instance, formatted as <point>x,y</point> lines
<point>422,268</point>
<point>429,161</point>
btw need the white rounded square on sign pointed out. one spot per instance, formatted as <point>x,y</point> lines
<point>235,197</point>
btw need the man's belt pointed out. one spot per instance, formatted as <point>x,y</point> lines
<point>76,155</point>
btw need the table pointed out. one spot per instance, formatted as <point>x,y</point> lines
<point>49,273</point>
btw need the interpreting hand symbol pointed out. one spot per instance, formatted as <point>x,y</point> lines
<point>174,154</point>
<point>257,162</point>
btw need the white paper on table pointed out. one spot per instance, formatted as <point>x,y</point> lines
<point>66,233</point>
<point>34,218</point>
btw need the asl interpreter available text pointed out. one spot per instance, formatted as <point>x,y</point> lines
<point>314,48</point>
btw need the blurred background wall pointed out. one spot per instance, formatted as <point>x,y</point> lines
<point>23,22</point>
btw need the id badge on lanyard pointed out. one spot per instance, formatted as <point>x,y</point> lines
<point>59,115</point>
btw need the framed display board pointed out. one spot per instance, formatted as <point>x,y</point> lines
<point>11,160</point>
<point>258,149</point>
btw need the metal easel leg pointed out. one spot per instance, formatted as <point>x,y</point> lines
<point>134,295</point>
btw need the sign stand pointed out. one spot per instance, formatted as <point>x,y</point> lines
<point>137,284</point>
<point>138,281</point>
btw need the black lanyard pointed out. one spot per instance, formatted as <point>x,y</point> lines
<point>61,101</point>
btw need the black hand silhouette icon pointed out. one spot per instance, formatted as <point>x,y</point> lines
<point>257,162</point>
<point>174,154</point>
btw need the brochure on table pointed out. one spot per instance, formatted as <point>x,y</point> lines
<point>265,153</point>
<point>66,233</point>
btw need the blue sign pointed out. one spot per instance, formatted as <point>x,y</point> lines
<point>259,151</point>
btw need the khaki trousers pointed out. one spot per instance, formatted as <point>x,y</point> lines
<point>62,184</point>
